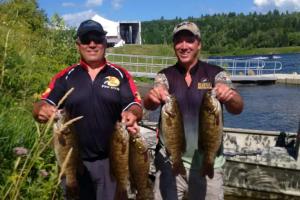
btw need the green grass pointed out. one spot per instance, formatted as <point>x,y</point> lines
<point>167,50</point>
<point>149,50</point>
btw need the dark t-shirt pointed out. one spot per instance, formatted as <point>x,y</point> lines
<point>100,102</point>
<point>204,76</point>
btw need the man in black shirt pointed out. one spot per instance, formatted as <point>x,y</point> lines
<point>188,80</point>
<point>103,93</point>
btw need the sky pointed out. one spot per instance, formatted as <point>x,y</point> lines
<point>75,11</point>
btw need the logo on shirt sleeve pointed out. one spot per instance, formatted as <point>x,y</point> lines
<point>138,96</point>
<point>47,91</point>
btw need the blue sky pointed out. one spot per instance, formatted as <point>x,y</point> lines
<point>75,11</point>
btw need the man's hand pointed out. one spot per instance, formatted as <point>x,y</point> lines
<point>224,93</point>
<point>42,111</point>
<point>130,120</point>
<point>155,97</point>
<point>229,97</point>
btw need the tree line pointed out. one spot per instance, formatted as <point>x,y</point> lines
<point>221,32</point>
<point>34,47</point>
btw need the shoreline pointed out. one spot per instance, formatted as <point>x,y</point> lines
<point>288,79</point>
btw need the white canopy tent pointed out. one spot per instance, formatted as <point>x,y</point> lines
<point>119,33</point>
<point>111,27</point>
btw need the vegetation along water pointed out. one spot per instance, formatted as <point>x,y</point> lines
<point>34,47</point>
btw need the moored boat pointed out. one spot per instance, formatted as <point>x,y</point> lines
<point>259,164</point>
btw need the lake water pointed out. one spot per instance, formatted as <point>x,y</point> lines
<point>290,62</point>
<point>268,107</point>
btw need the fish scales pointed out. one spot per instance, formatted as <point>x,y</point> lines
<point>66,148</point>
<point>210,131</point>
<point>173,133</point>
<point>139,165</point>
<point>119,158</point>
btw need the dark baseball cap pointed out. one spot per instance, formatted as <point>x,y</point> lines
<point>90,25</point>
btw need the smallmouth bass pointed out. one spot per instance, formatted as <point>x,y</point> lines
<point>172,130</point>
<point>210,131</point>
<point>66,148</point>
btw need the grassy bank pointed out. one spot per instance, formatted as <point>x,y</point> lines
<point>167,50</point>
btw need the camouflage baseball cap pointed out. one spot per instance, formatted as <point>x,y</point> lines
<point>188,26</point>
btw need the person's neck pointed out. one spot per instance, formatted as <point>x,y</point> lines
<point>96,65</point>
<point>94,68</point>
<point>189,66</point>
<point>93,65</point>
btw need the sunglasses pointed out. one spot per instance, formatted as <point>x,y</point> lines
<point>87,38</point>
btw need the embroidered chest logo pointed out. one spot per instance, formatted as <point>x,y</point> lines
<point>204,84</point>
<point>111,82</point>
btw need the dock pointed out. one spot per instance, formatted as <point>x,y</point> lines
<point>251,71</point>
<point>288,78</point>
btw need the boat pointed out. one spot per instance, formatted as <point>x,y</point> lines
<point>259,164</point>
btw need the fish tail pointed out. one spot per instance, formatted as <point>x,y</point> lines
<point>72,188</point>
<point>208,169</point>
<point>145,194</point>
<point>120,194</point>
<point>178,168</point>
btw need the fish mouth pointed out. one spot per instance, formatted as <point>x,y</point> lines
<point>167,108</point>
<point>213,93</point>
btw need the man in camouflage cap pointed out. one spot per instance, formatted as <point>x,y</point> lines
<point>188,80</point>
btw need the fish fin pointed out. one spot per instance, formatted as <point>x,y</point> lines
<point>72,189</point>
<point>178,168</point>
<point>61,139</point>
<point>208,169</point>
<point>146,156</point>
<point>218,119</point>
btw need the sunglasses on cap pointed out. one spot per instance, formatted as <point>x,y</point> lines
<point>87,38</point>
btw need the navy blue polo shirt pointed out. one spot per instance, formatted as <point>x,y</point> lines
<point>190,97</point>
<point>100,102</point>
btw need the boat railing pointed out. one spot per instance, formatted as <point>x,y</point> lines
<point>142,65</point>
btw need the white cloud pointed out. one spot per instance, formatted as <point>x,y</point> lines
<point>116,4</point>
<point>283,5</point>
<point>75,19</point>
<point>90,3</point>
<point>68,4</point>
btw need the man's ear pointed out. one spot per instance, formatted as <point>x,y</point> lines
<point>200,45</point>
<point>77,45</point>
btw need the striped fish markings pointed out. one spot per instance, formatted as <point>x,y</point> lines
<point>66,148</point>
<point>210,131</point>
<point>172,132</point>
